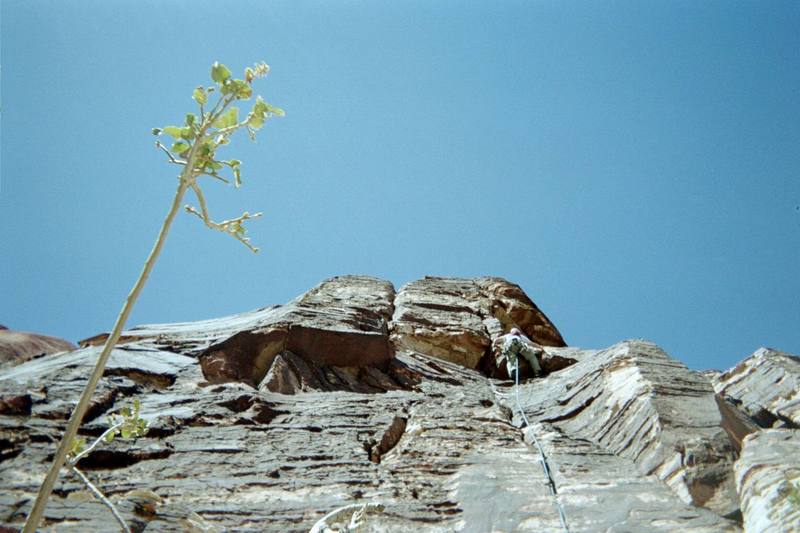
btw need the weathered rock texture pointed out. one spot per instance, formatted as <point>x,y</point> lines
<point>459,320</point>
<point>18,346</point>
<point>269,420</point>
<point>768,479</point>
<point>635,402</point>
<point>766,386</point>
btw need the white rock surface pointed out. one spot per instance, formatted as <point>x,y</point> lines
<point>634,401</point>
<point>766,386</point>
<point>767,468</point>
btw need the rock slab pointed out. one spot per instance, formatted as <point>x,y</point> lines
<point>459,320</point>
<point>766,386</point>
<point>768,480</point>
<point>18,346</point>
<point>632,400</point>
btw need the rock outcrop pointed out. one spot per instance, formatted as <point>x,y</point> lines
<point>19,346</point>
<point>354,394</point>
<point>766,386</point>
<point>768,479</point>
<point>635,402</point>
<point>459,320</point>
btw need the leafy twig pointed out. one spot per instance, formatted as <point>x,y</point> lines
<point>232,227</point>
<point>171,157</point>
<point>129,425</point>
<point>80,455</point>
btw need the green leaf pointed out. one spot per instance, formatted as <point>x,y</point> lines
<point>126,432</point>
<point>110,437</point>
<point>173,131</point>
<point>207,148</point>
<point>228,119</point>
<point>233,163</point>
<point>179,148</point>
<point>239,88</point>
<point>191,118</point>
<point>78,445</point>
<point>219,72</point>
<point>199,95</point>
<point>187,133</point>
<point>261,110</point>
<point>277,111</point>
<point>260,106</point>
<point>244,92</point>
<point>255,120</point>
<point>227,88</point>
<point>157,131</point>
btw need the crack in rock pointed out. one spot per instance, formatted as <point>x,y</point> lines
<point>389,439</point>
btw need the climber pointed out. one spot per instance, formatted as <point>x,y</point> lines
<point>515,344</point>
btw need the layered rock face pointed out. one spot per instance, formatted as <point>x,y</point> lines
<point>768,479</point>
<point>636,402</point>
<point>356,394</point>
<point>766,386</point>
<point>459,319</point>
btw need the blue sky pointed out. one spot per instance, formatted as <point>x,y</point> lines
<point>634,166</point>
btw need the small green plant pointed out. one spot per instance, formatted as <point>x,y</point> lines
<point>194,148</point>
<point>127,425</point>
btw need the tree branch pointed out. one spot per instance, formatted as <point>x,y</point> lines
<point>100,496</point>
<point>232,227</point>
<point>171,157</point>
<point>214,175</point>
<point>35,516</point>
<point>225,101</point>
<point>92,446</point>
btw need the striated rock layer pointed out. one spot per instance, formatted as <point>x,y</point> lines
<point>766,386</point>
<point>632,400</point>
<point>355,394</point>
<point>459,320</point>
<point>768,480</point>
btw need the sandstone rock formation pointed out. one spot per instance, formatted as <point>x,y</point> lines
<point>355,394</point>
<point>18,346</point>
<point>459,320</point>
<point>768,479</point>
<point>766,386</point>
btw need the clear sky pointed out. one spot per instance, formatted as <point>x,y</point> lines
<point>634,166</point>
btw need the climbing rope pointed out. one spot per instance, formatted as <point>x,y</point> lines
<point>542,459</point>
